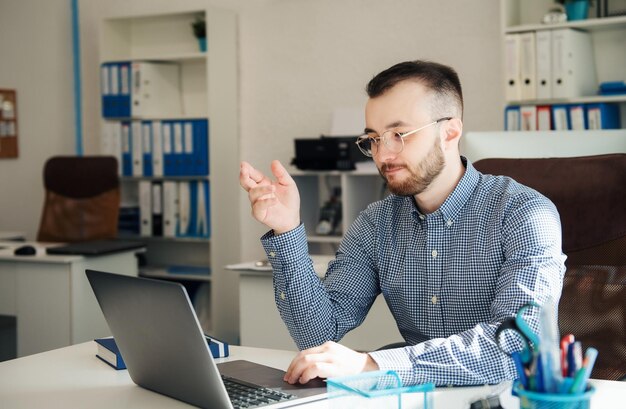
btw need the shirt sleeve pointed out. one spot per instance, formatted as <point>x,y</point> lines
<point>532,271</point>
<point>315,310</point>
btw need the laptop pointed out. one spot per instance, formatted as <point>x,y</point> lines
<point>95,247</point>
<point>165,350</point>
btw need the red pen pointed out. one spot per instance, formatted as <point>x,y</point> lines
<point>565,342</point>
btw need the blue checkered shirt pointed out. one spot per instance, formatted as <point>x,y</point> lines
<point>449,277</point>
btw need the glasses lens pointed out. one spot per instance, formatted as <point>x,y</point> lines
<point>393,141</point>
<point>365,145</point>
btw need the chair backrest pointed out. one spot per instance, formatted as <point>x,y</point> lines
<point>590,195</point>
<point>82,197</point>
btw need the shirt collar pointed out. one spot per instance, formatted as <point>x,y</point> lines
<point>453,204</point>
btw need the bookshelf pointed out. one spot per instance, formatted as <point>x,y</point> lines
<point>607,34</point>
<point>207,90</point>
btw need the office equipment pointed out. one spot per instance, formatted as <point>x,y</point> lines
<point>544,118</point>
<point>528,114</point>
<point>154,318</point>
<point>95,247</point>
<point>577,116</point>
<point>115,89</point>
<point>512,118</point>
<point>25,250</point>
<point>536,400</point>
<point>111,142</point>
<point>327,153</point>
<point>378,389</point>
<point>136,147</point>
<point>512,64</point>
<point>566,341</point>
<point>145,207</point>
<point>109,353</point>
<point>157,209</point>
<point>528,62</point>
<point>582,376</point>
<point>544,64</point>
<point>127,154</point>
<point>560,118</point>
<point>572,74</point>
<point>603,116</point>
<point>156,89</point>
<point>81,199</point>
<point>146,144</point>
<point>170,208</point>
<point>612,88</point>
<point>157,149</point>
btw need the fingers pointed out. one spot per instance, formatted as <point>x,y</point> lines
<point>280,173</point>
<point>308,366</point>
<point>250,177</point>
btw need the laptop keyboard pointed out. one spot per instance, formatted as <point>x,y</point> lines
<point>247,395</point>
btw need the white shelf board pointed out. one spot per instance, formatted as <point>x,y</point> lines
<point>152,272</point>
<point>579,100</point>
<point>159,178</point>
<point>594,24</point>
<point>181,57</point>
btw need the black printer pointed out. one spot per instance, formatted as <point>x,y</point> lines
<point>327,153</point>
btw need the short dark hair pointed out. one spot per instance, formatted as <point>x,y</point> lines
<point>441,79</point>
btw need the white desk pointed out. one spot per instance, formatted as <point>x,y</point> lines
<point>72,377</point>
<point>260,324</point>
<point>51,297</point>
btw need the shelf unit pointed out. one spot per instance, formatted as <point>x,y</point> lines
<point>358,190</point>
<point>209,91</point>
<point>608,36</point>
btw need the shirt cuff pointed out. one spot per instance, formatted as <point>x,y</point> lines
<point>285,248</point>
<point>398,360</point>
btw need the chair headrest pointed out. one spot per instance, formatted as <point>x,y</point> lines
<point>81,176</point>
<point>588,191</point>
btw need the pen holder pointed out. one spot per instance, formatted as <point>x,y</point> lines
<point>538,400</point>
<point>379,389</point>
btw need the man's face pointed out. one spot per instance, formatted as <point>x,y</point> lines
<point>403,108</point>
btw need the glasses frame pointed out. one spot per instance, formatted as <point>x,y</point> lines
<point>384,137</point>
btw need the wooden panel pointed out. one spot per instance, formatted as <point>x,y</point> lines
<point>8,123</point>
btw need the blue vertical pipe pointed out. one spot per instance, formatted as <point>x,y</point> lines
<point>78,114</point>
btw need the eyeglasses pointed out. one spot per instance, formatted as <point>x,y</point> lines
<point>394,141</point>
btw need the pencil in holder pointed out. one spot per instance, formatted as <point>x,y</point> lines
<point>379,389</point>
<point>539,400</point>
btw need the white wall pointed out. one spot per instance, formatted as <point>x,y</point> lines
<point>36,60</point>
<point>300,59</point>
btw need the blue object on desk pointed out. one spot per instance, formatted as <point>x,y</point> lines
<point>583,374</point>
<point>612,88</point>
<point>109,353</point>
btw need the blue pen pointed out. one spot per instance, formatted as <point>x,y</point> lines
<point>574,358</point>
<point>582,376</point>
<point>539,373</point>
<point>521,374</point>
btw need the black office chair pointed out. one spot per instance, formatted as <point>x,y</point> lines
<point>82,199</point>
<point>590,195</point>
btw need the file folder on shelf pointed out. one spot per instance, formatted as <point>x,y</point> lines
<point>189,149</point>
<point>544,118</point>
<point>528,116</point>
<point>157,149</point>
<point>111,142</point>
<point>577,117</point>
<point>184,209</point>
<point>203,209</point>
<point>136,148</point>
<point>156,89</point>
<point>543,45</point>
<point>573,70</point>
<point>168,149</point>
<point>170,208</point>
<point>127,155</point>
<point>201,154</point>
<point>603,116</point>
<point>512,53</point>
<point>145,208</point>
<point>157,210</point>
<point>512,120</point>
<point>115,89</point>
<point>560,118</point>
<point>146,136</point>
<point>528,65</point>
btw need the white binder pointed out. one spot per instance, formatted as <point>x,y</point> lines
<point>157,149</point>
<point>528,65</point>
<point>573,67</point>
<point>544,118</point>
<point>156,89</point>
<point>184,208</point>
<point>543,45</point>
<point>145,208</point>
<point>512,52</point>
<point>528,115</point>
<point>137,148</point>
<point>111,142</point>
<point>170,208</point>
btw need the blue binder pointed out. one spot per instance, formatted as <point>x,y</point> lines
<point>146,134</point>
<point>115,87</point>
<point>123,99</point>
<point>201,156</point>
<point>603,116</point>
<point>577,117</point>
<point>168,148</point>
<point>189,149</point>
<point>203,210</point>
<point>127,149</point>
<point>512,118</point>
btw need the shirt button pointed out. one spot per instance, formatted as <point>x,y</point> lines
<point>272,254</point>
<point>434,253</point>
<point>422,217</point>
<point>449,223</point>
<point>282,295</point>
<point>434,299</point>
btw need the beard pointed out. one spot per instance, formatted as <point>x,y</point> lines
<point>420,175</point>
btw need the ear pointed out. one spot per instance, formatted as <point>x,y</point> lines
<point>453,129</point>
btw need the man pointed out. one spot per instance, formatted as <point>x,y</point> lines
<point>454,252</point>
